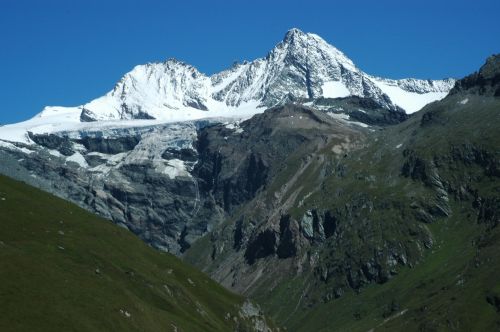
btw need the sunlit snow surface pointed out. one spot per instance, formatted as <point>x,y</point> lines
<point>334,89</point>
<point>78,158</point>
<point>409,101</point>
<point>67,119</point>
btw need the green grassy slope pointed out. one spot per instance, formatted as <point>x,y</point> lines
<point>63,269</point>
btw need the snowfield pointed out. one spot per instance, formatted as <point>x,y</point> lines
<point>411,102</point>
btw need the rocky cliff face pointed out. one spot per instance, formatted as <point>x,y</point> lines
<point>170,184</point>
<point>138,177</point>
<point>484,82</point>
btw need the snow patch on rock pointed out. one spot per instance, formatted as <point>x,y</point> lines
<point>174,168</point>
<point>78,158</point>
<point>334,89</point>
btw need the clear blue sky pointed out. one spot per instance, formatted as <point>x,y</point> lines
<point>67,52</point>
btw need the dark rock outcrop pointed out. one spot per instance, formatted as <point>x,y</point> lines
<point>289,245</point>
<point>109,145</point>
<point>53,142</point>
<point>262,245</point>
<point>485,82</point>
<point>365,110</point>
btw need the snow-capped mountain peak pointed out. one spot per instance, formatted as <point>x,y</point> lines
<point>300,68</point>
<point>296,41</point>
<point>305,66</point>
<point>293,33</point>
<point>149,91</point>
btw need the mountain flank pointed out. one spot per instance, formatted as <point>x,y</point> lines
<point>395,231</point>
